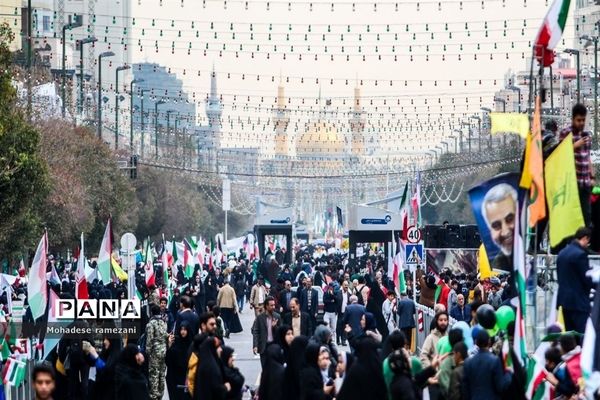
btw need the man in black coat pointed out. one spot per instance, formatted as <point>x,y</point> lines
<point>484,377</point>
<point>284,298</point>
<point>309,303</point>
<point>264,327</point>
<point>574,286</point>
<point>298,320</point>
<point>187,314</point>
<point>406,317</point>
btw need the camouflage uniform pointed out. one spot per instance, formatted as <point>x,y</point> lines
<point>156,349</point>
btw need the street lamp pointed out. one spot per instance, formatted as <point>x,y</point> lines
<point>518,90</point>
<point>158,103</point>
<point>131,112</point>
<point>64,61</point>
<point>81,43</point>
<point>100,57</point>
<point>478,119</point>
<point>595,40</point>
<point>119,69</point>
<point>578,70</point>
<point>142,118</point>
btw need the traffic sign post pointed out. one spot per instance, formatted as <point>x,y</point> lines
<point>414,255</point>
<point>413,234</point>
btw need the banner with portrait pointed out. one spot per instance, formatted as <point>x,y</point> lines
<point>494,205</point>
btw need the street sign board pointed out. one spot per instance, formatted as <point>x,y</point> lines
<point>414,254</point>
<point>413,234</point>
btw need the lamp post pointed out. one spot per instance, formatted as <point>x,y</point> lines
<point>100,57</point>
<point>64,62</point>
<point>595,40</point>
<point>134,81</point>
<point>478,119</point>
<point>158,103</point>
<point>518,90</point>
<point>119,69</point>
<point>142,119</point>
<point>81,43</point>
<point>575,52</point>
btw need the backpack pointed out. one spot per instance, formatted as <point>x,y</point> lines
<point>360,296</point>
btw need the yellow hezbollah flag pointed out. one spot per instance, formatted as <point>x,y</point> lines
<point>510,123</point>
<point>535,165</point>
<point>562,193</point>
<point>121,275</point>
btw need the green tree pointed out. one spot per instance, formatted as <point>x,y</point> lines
<point>23,173</point>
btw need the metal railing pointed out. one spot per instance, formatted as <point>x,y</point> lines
<point>23,391</point>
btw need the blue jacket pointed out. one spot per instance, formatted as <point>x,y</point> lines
<point>573,286</point>
<point>352,316</point>
<point>406,313</point>
<point>461,315</point>
<point>484,377</point>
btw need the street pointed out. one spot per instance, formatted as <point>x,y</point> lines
<point>248,364</point>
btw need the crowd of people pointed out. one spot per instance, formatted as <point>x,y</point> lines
<point>322,329</point>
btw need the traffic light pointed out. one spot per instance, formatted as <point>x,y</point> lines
<point>133,166</point>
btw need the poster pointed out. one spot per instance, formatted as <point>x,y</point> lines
<point>458,261</point>
<point>494,205</point>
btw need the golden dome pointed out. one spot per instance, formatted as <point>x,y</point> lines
<point>322,138</point>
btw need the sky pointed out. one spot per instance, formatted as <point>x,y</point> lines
<point>435,44</point>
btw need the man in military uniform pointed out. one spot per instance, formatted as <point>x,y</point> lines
<point>156,350</point>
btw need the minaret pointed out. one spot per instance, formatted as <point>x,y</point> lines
<point>357,125</point>
<point>214,111</point>
<point>281,120</point>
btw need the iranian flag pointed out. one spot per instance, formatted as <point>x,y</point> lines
<point>211,261</point>
<point>188,258</point>
<point>399,280</point>
<point>80,280</point>
<point>14,372</point>
<point>519,344</point>
<point>537,386</point>
<point>105,253</point>
<point>149,267</point>
<point>37,292</point>
<point>551,31</point>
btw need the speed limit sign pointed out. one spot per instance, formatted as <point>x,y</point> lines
<point>413,234</point>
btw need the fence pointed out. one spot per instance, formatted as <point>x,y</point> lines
<point>425,316</point>
<point>24,391</point>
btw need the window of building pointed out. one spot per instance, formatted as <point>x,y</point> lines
<point>46,23</point>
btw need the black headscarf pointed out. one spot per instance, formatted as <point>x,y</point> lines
<point>364,380</point>
<point>279,338</point>
<point>273,373</point>
<point>209,376</point>
<point>296,361</point>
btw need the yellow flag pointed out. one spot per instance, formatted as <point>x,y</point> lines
<point>526,177</point>
<point>485,271</point>
<point>535,164</point>
<point>121,275</point>
<point>562,193</point>
<point>510,123</point>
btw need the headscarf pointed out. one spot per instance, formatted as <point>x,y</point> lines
<point>226,354</point>
<point>370,324</point>
<point>322,334</point>
<point>128,355</point>
<point>279,338</point>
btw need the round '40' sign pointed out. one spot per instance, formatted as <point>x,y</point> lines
<point>413,234</point>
